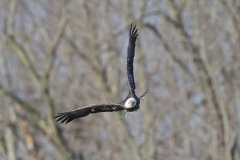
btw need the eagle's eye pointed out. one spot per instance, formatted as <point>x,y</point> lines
<point>133,103</point>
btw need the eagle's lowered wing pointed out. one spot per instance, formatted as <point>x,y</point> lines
<point>67,117</point>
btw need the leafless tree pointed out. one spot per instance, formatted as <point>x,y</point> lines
<point>60,55</point>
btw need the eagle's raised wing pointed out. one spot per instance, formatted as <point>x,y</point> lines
<point>130,58</point>
<point>67,117</point>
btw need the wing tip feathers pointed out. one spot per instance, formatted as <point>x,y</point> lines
<point>63,117</point>
<point>133,32</point>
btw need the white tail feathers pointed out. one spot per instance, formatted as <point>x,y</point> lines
<point>143,95</point>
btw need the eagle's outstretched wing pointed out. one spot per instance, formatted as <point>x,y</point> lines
<point>130,58</point>
<point>67,117</point>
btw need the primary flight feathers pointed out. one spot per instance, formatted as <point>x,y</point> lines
<point>130,103</point>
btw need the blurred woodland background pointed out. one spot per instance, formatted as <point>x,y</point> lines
<point>58,55</point>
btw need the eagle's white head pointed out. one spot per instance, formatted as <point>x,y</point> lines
<point>130,103</point>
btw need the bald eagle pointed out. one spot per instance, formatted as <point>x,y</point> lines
<point>129,104</point>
